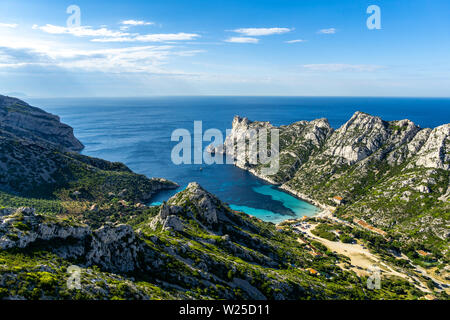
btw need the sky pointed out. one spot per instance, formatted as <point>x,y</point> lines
<point>234,47</point>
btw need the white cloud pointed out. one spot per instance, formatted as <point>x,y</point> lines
<point>83,31</point>
<point>140,59</point>
<point>137,23</point>
<point>8,25</point>
<point>18,51</point>
<point>261,31</point>
<point>242,40</point>
<point>167,37</point>
<point>106,35</point>
<point>161,37</point>
<point>327,31</point>
<point>296,41</point>
<point>339,67</point>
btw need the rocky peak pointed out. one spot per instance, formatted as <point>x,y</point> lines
<point>168,218</point>
<point>206,204</point>
<point>240,123</point>
<point>237,120</point>
<point>365,134</point>
<point>321,123</point>
<point>195,203</point>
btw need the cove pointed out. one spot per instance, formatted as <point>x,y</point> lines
<point>137,132</point>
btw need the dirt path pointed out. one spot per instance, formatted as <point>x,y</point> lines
<point>361,258</point>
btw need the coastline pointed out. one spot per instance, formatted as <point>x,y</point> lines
<point>325,210</point>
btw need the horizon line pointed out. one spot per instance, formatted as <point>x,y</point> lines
<point>222,96</point>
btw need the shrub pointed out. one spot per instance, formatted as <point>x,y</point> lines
<point>3,293</point>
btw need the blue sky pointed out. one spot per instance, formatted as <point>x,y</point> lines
<point>303,48</point>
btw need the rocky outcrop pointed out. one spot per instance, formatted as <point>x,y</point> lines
<point>359,138</point>
<point>32,168</point>
<point>435,152</point>
<point>364,134</point>
<point>168,219</point>
<point>297,142</point>
<point>208,208</point>
<point>25,227</point>
<point>203,207</point>
<point>27,122</point>
<point>388,172</point>
<point>114,248</point>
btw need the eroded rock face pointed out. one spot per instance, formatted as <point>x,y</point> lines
<point>115,248</point>
<point>28,228</point>
<point>369,162</point>
<point>314,132</point>
<point>242,131</point>
<point>205,202</point>
<point>362,137</point>
<point>168,219</point>
<point>297,142</point>
<point>193,203</point>
<point>364,134</point>
<point>202,206</point>
<point>25,121</point>
<point>435,153</point>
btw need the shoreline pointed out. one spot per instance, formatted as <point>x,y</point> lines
<point>324,210</point>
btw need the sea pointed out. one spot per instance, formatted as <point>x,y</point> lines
<point>137,132</point>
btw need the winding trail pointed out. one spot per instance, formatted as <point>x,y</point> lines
<point>362,259</point>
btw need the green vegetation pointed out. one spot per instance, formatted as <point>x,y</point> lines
<point>392,174</point>
<point>194,246</point>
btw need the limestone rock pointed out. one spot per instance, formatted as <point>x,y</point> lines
<point>115,248</point>
<point>435,153</point>
<point>167,218</point>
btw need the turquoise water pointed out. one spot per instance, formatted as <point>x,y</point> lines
<point>137,132</point>
<point>300,208</point>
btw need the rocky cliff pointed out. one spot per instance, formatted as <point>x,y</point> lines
<point>192,247</point>
<point>27,122</point>
<point>114,248</point>
<point>391,173</point>
<point>35,161</point>
<point>59,209</point>
<point>31,168</point>
<point>297,142</point>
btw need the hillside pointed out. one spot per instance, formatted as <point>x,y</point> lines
<point>59,209</point>
<point>25,121</point>
<point>392,174</point>
<point>192,247</point>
